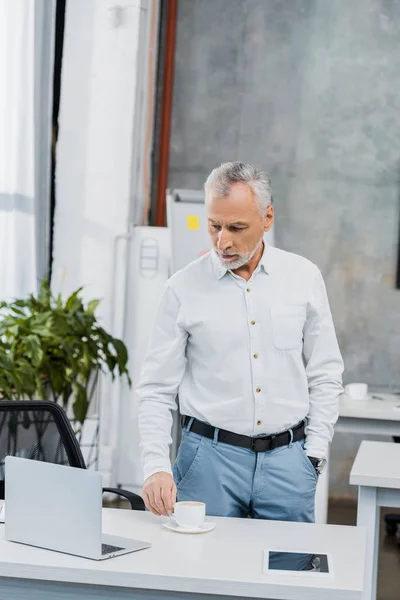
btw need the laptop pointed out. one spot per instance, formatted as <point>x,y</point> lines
<point>59,508</point>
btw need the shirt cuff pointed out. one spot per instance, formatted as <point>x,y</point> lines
<point>317,447</point>
<point>151,470</point>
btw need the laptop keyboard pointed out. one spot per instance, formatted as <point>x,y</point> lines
<point>106,549</point>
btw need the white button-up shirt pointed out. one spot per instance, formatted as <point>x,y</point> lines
<point>253,357</point>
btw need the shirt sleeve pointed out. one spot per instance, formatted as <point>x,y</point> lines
<point>324,367</point>
<point>161,375</point>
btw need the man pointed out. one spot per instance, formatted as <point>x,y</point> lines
<point>245,335</point>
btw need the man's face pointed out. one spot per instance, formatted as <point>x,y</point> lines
<point>236,227</point>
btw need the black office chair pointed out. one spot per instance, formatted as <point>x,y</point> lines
<point>40,430</point>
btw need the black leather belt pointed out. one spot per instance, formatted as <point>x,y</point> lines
<point>257,444</point>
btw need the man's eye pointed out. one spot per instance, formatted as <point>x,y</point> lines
<point>216,227</point>
<point>237,228</point>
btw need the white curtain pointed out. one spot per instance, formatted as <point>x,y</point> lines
<point>26,48</point>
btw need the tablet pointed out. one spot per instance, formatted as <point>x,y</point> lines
<point>304,564</point>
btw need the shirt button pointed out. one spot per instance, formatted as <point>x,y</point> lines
<point>258,390</point>
<point>252,322</point>
<point>255,355</point>
<point>248,290</point>
<point>259,423</point>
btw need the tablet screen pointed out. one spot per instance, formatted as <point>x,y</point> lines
<point>298,561</point>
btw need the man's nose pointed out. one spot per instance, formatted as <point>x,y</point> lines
<point>224,241</point>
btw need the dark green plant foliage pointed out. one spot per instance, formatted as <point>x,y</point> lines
<point>54,349</point>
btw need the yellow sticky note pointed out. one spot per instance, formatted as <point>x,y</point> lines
<point>193,222</point>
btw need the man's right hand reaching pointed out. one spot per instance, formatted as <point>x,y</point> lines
<point>159,493</point>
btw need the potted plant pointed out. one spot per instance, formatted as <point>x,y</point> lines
<point>55,349</point>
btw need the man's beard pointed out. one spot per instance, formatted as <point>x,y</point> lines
<point>242,258</point>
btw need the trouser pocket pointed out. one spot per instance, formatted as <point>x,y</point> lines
<point>188,456</point>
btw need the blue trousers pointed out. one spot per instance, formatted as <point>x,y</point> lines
<point>237,482</point>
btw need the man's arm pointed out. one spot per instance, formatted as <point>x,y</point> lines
<point>324,368</point>
<point>162,372</point>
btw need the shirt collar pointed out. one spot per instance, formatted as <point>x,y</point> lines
<point>220,270</point>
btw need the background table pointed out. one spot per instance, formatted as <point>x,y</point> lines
<point>225,563</point>
<point>376,470</point>
<point>365,417</point>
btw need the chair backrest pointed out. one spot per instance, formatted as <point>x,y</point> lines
<point>39,430</point>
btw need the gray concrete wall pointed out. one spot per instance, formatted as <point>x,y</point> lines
<point>309,90</point>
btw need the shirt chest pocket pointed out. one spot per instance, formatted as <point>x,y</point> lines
<point>287,324</point>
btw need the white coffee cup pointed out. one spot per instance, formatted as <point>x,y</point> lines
<point>189,515</point>
<point>357,391</point>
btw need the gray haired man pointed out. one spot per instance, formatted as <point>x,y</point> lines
<point>245,335</point>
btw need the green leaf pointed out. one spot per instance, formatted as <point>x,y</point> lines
<point>66,394</point>
<point>73,302</point>
<point>56,375</point>
<point>121,350</point>
<point>6,393</point>
<point>24,378</point>
<point>92,306</point>
<point>14,330</point>
<point>17,311</point>
<point>81,404</point>
<point>59,302</point>
<point>40,388</point>
<point>44,293</point>
<point>33,349</point>
<point>111,363</point>
<point>41,330</point>
<point>21,302</point>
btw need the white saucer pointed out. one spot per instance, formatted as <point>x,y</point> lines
<point>173,526</point>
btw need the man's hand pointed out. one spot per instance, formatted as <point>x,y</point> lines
<point>159,493</point>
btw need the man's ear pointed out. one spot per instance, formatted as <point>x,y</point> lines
<point>269,218</point>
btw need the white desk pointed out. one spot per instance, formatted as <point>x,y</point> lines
<point>376,471</point>
<point>225,563</point>
<point>365,417</point>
